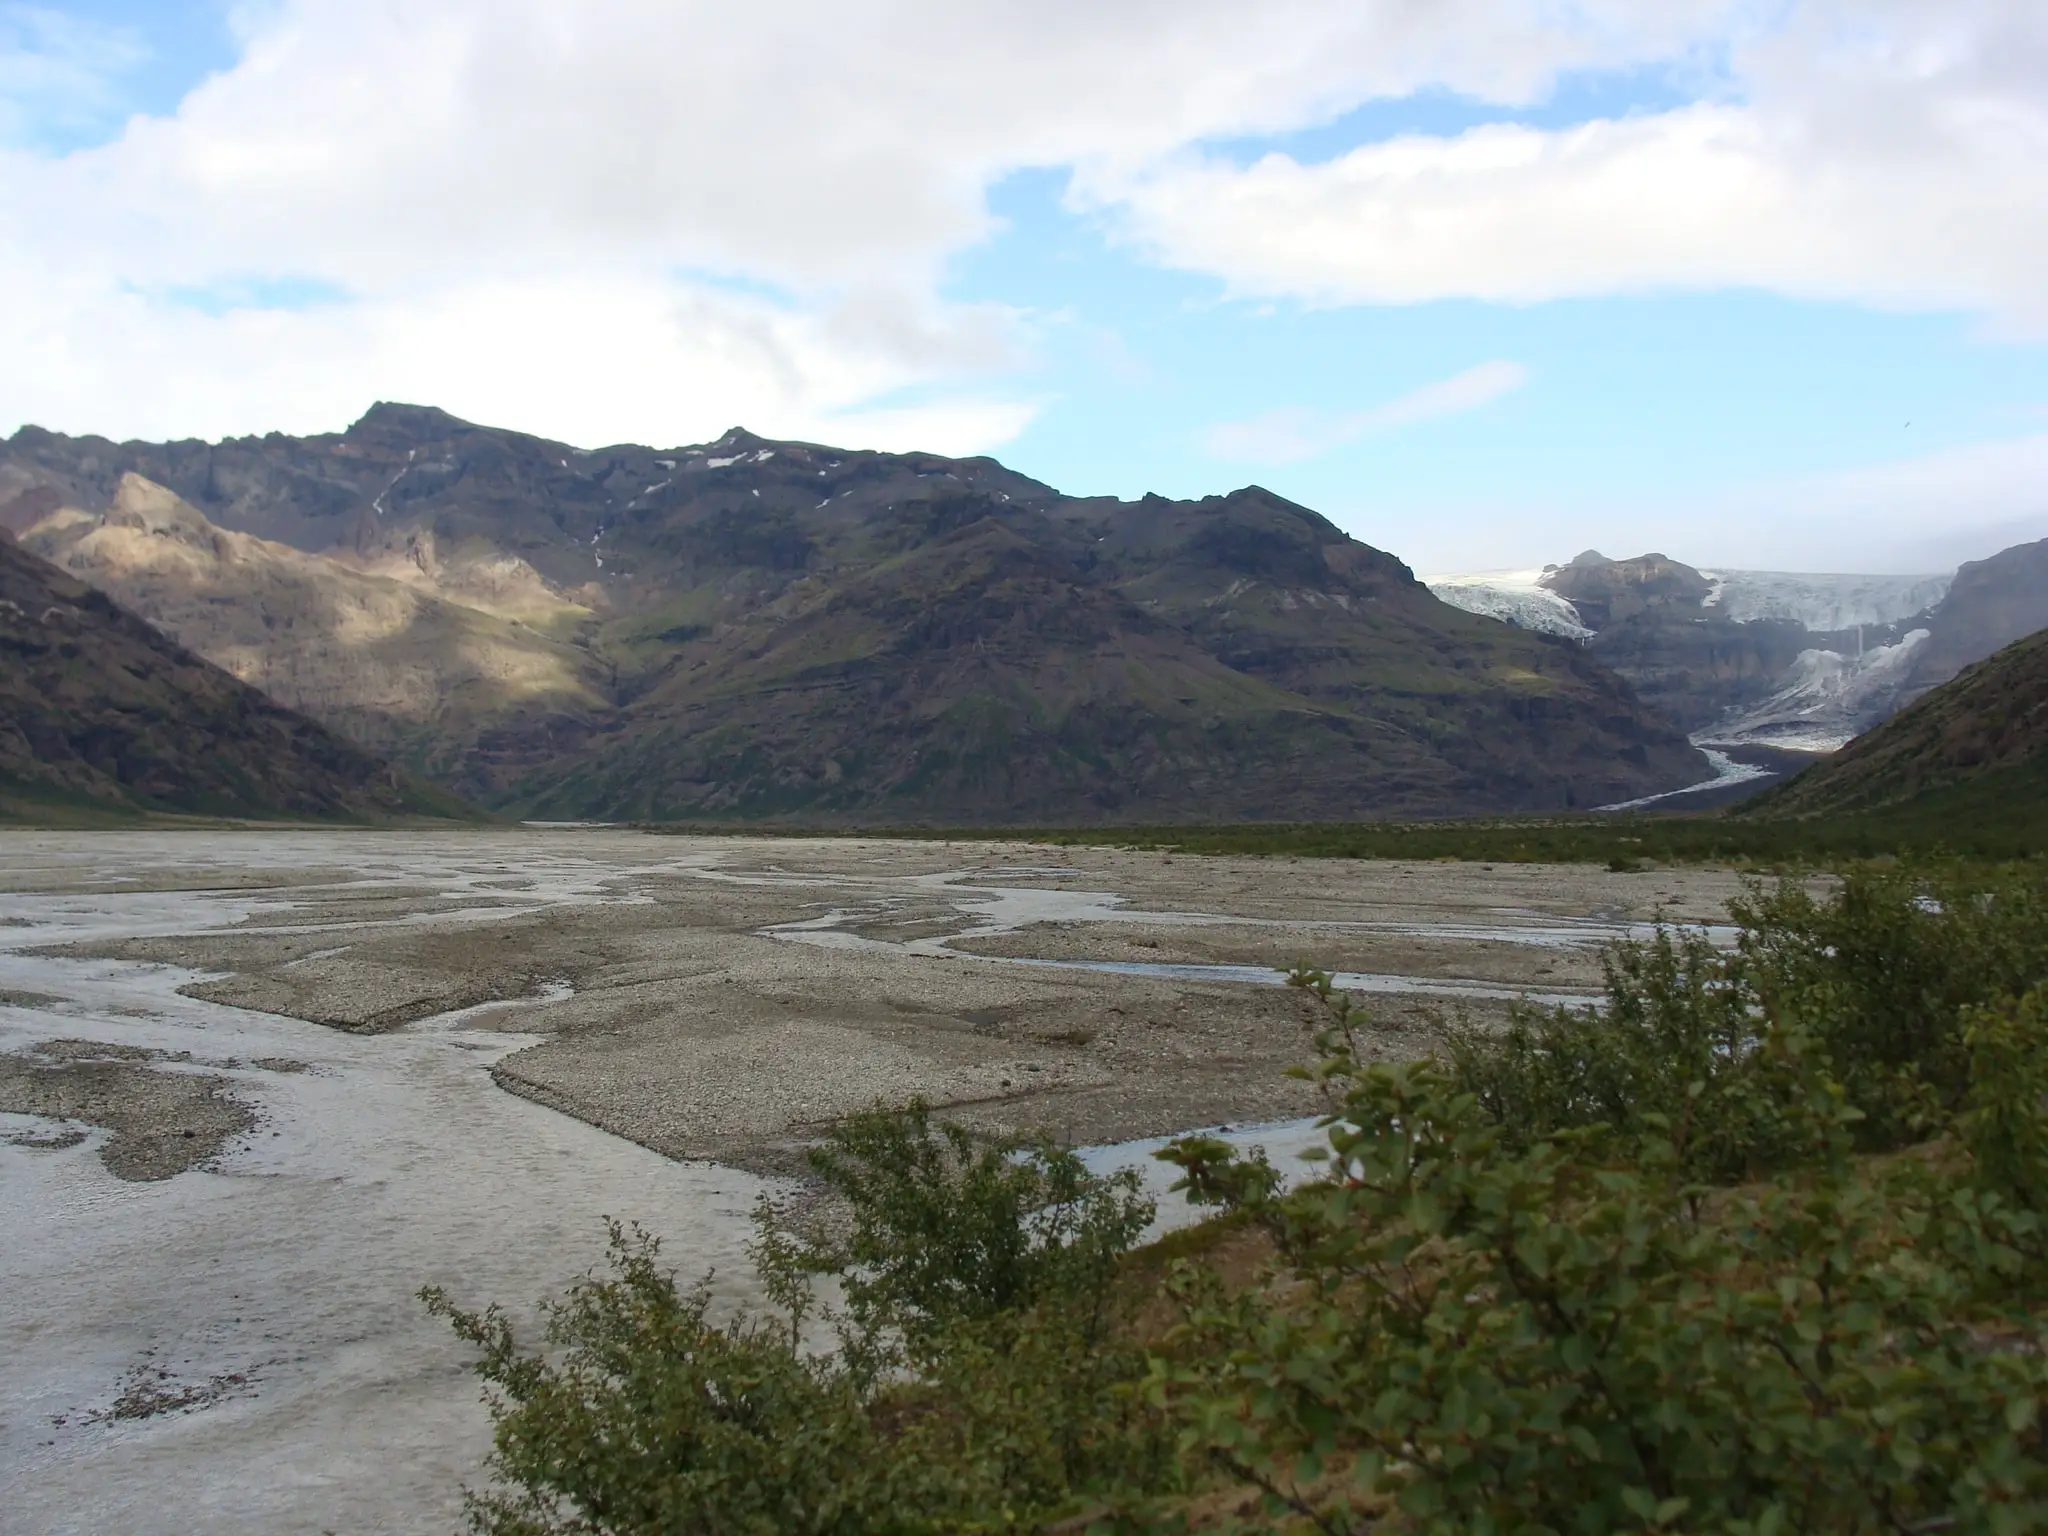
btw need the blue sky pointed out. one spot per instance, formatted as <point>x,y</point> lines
<point>1484,307</point>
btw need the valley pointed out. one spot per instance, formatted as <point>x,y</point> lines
<point>442,1056</point>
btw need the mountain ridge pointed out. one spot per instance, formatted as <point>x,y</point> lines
<point>389,662</point>
<point>792,630</point>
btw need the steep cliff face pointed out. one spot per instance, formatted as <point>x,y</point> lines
<point>1653,621</point>
<point>1990,604</point>
<point>98,707</point>
<point>1764,659</point>
<point>788,629</point>
<point>1608,592</point>
<point>1700,669</point>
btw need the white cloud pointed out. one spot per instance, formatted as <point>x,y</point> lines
<point>506,190</point>
<point>1292,433</point>
<point>1925,513</point>
<point>521,199</point>
<point>600,359</point>
<point>1881,151</point>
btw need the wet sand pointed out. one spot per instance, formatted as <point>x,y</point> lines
<point>408,1058</point>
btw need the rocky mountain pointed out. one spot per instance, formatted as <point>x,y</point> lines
<point>1770,660</point>
<point>99,709</point>
<point>456,688</point>
<point>1975,745</point>
<point>1989,604</point>
<point>783,629</point>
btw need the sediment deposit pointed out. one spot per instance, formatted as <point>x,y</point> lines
<point>337,1017</point>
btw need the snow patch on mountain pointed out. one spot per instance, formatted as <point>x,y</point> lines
<point>1513,597</point>
<point>1823,603</point>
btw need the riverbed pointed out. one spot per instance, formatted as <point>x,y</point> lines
<point>258,1087</point>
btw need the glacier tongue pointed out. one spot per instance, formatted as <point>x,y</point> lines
<point>1823,700</point>
<point>1513,597</point>
<point>1843,684</point>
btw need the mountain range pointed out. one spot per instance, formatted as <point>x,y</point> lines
<point>752,628</point>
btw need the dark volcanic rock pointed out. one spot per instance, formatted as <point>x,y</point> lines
<point>792,630</point>
<point>1698,667</point>
<point>1652,624</point>
<point>1609,591</point>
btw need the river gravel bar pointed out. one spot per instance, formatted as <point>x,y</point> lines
<point>257,1087</point>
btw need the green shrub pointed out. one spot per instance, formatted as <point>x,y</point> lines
<point>1759,1245</point>
<point>643,1415</point>
<point>1882,973</point>
<point>982,1380</point>
<point>946,1230</point>
<point>1460,1334</point>
<point>1871,987</point>
<point>1678,1053</point>
<point>2005,1121</point>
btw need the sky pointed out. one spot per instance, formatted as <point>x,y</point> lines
<point>1754,283</point>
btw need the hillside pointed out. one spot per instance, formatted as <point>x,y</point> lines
<point>1976,746</point>
<point>99,711</point>
<point>785,629</point>
<point>446,686</point>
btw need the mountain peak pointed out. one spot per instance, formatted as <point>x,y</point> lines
<point>414,423</point>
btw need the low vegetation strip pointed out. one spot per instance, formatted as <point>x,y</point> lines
<point>1759,1245</point>
<point>1988,826</point>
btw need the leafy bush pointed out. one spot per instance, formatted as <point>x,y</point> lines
<point>1872,988</point>
<point>2005,1119</point>
<point>975,1386</point>
<point>1759,1245</point>
<point>1676,1053</point>
<point>1883,972</point>
<point>646,1416</point>
<point>1464,1336</point>
<point>947,1231</point>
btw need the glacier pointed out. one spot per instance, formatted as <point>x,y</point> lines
<point>1831,692</point>
<point>1822,603</point>
<point>1824,699</point>
<point>1513,597</point>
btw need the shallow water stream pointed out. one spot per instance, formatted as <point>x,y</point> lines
<point>271,1303</point>
<point>239,1348</point>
